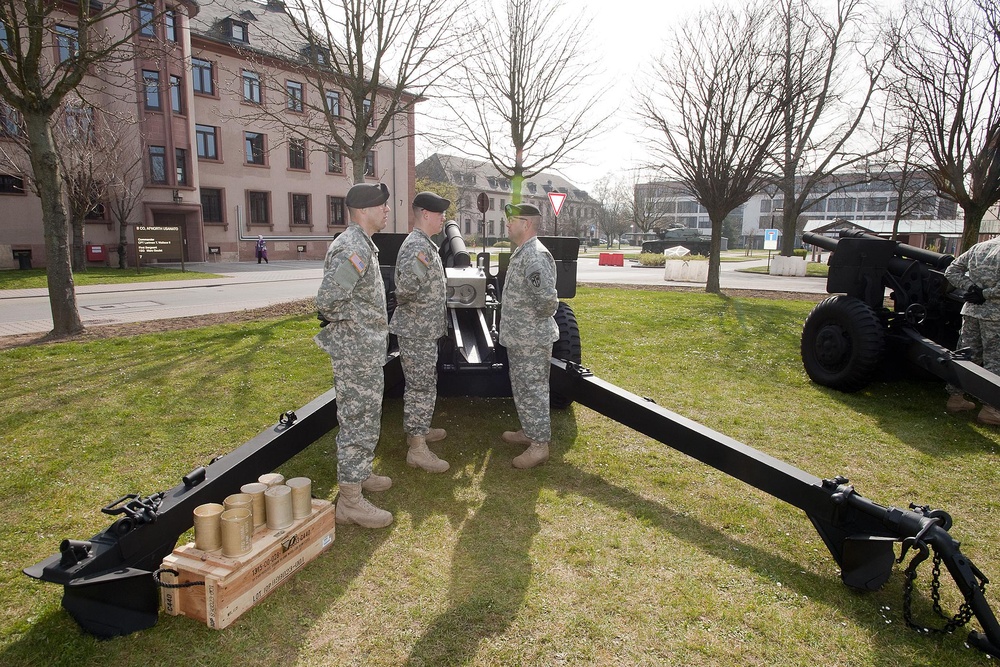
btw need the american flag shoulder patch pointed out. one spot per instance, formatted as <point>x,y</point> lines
<point>357,262</point>
<point>423,259</point>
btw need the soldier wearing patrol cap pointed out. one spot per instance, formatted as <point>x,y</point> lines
<point>527,330</point>
<point>355,332</point>
<point>419,320</point>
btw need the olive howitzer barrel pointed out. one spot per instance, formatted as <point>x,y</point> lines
<point>453,249</point>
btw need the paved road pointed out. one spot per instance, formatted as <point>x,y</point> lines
<point>248,285</point>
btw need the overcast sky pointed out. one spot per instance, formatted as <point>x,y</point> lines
<point>629,35</point>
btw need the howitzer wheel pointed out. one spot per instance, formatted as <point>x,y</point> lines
<point>842,343</point>
<point>567,348</point>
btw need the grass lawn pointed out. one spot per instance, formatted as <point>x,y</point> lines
<point>619,551</point>
<point>35,278</point>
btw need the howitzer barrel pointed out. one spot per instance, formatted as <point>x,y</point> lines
<point>933,259</point>
<point>453,249</point>
<point>824,242</point>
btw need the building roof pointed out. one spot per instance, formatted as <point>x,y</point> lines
<point>488,177</point>
<point>947,227</point>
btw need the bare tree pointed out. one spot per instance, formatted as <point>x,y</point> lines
<point>83,166</point>
<point>613,211</point>
<point>643,210</point>
<point>366,64</point>
<point>515,101</point>
<point>35,79</point>
<point>829,76</point>
<point>948,55</point>
<point>905,171</point>
<point>718,112</point>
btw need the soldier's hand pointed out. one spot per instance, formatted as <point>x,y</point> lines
<point>974,295</point>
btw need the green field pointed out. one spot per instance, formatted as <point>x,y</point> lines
<point>619,551</point>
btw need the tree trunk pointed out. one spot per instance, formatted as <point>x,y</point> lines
<point>45,168</point>
<point>973,220</point>
<point>714,261</point>
<point>79,250</point>
<point>122,245</point>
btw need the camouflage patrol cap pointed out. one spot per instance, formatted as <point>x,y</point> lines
<point>431,202</point>
<point>516,210</point>
<point>364,195</point>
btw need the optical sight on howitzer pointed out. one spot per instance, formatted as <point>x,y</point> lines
<point>850,338</point>
<point>110,582</point>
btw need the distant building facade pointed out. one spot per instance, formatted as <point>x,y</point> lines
<point>871,204</point>
<point>578,216</point>
<point>201,73</point>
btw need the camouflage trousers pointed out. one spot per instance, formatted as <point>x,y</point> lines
<point>418,357</point>
<point>359,411</point>
<point>529,380</point>
<point>982,337</point>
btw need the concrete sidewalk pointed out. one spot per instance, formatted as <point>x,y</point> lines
<point>247,285</point>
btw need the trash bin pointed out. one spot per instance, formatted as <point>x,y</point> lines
<point>23,258</point>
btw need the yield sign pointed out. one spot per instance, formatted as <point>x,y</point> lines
<point>557,199</point>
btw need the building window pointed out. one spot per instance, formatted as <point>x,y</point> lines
<point>337,211</point>
<point>370,164</point>
<point>151,80</point>
<point>367,105</point>
<point>180,160</point>
<point>10,121</point>
<point>201,70</point>
<point>68,42</point>
<point>300,209</point>
<point>251,87</point>
<point>157,164</point>
<point>295,95</point>
<point>259,207</point>
<point>4,39</point>
<point>79,122</point>
<point>296,153</point>
<point>208,146</point>
<point>333,103</point>
<point>146,26</point>
<point>11,185</point>
<point>254,142</point>
<point>176,95</point>
<point>99,212</point>
<point>334,161</point>
<point>170,21</point>
<point>238,31</point>
<point>211,205</point>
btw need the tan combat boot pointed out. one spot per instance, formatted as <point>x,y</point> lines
<point>989,415</point>
<point>376,483</point>
<point>436,434</point>
<point>536,454</point>
<point>419,456</point>
<point>957,403</point>
<point>352,508</point>
<point>516,437</point>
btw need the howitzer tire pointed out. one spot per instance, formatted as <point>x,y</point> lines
<point>566,348</point>
<point>842,343</point>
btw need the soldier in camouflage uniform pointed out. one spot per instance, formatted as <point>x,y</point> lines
<point>419,320</point>
<point>351,302</point>
<point>527,330</point>
<point>976,273</point>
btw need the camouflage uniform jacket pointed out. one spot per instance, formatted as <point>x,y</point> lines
<point>529,297</point>
<point>352,298</point>
<point>979,265</point>
<point>420,289</point>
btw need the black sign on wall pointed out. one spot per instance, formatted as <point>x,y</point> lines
<point>162,244</point>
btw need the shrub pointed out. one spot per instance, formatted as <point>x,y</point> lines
<point>502,244</point>
<point>652,259</point>
<point>799,252</point>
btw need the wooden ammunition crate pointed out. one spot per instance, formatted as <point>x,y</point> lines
<point>234,585</point>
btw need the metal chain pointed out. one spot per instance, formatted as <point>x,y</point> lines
<point>964,614</point>
<point>163,584</point>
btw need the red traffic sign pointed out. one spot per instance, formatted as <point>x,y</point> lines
<point>483,202</point>
<point>557,199</point>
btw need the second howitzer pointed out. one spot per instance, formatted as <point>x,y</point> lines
<point>849,338</point>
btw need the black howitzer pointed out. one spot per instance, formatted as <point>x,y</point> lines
<point>847,338</point>
<point>110,581</point>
